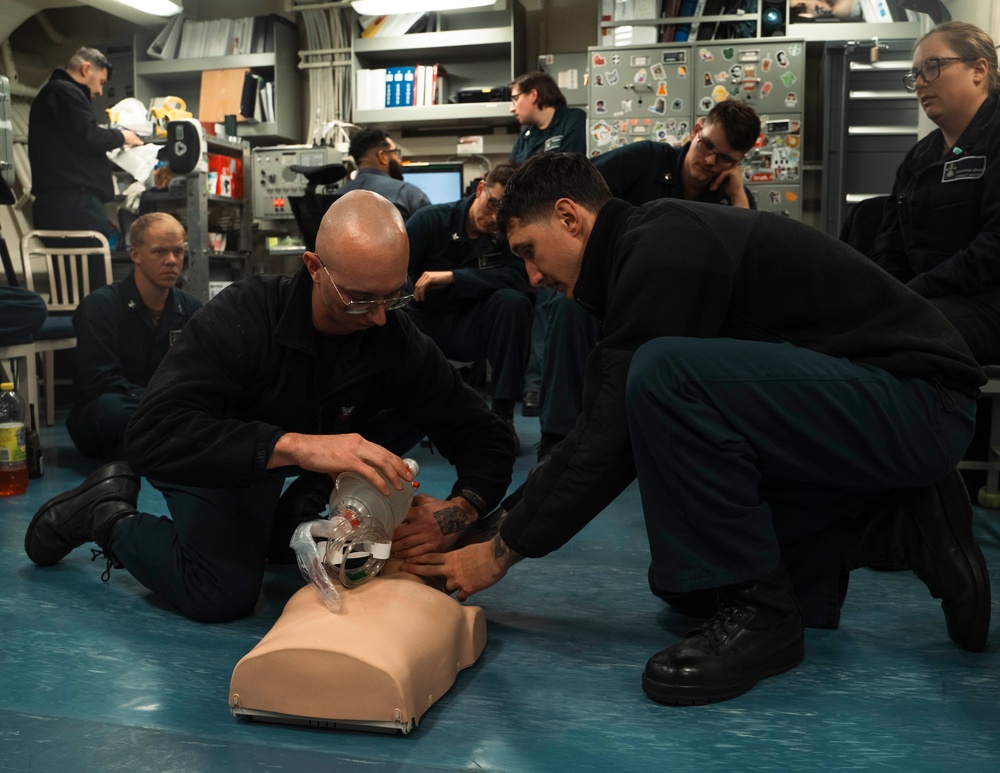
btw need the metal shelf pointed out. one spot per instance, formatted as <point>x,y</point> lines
<point>468,114</point>
<point>489,43</point>
<point>477,50</point>
<point>182,78</point>
<point>173,69</point>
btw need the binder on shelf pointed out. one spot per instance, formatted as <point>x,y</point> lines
<point>166,43</point>
<point>399,86</point>
<point>250,107</point>
<point>267,101</point>
<point>259,28</point>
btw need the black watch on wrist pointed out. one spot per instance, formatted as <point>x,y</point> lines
<point>476,501</point>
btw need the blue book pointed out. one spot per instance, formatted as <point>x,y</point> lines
<point>688,8</point>
<point>408,76</point>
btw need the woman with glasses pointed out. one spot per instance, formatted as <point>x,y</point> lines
<point>940,231</point>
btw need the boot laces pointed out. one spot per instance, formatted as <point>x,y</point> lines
<point>112,563</point>
<point>732,609</point>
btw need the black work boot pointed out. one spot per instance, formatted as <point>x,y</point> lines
<point>755,632</point>
<point>87,513</point>
<point>929,530</point>
<point>305,499</point>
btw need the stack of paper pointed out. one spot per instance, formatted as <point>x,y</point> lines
<point>185,38</point>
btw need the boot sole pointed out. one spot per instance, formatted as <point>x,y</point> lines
<point>976,635</point>
<point>57,500</point>
<point>698,695</point>
<point>975,638</point>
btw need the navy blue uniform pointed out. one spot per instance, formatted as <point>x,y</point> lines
<point>407,197</point>
<point>566,133</point>
<point>641,172</point>
<point>940,231</point>
<point>485,313</point>
<point>118,349</point>
<point>560,339</point>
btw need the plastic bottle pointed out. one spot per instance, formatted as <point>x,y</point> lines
<point>13,453</point>
<point>354,493</point>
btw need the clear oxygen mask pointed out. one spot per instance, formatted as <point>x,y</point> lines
<point>358,534</point>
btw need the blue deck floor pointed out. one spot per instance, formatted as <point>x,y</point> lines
<point>100,676</point>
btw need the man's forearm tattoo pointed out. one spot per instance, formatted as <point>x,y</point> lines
<point>452,519</point>
<point>499,549</point>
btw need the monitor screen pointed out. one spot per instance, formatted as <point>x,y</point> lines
<point>441,182</point>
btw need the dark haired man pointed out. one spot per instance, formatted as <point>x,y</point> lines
<point>548,125</point>
<point>469,288</point>
<point>379,170</point>
<point>123,331</point>
<point>768,386</point>
<point>706,168</point>
<point>70,170</point>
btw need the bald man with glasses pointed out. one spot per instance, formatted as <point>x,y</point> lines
<point>277,376</point>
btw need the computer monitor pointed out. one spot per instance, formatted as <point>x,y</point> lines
<point>441,182</point>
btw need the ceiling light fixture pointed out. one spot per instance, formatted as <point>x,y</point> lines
<point>388,7</point>
<point>154,7</point>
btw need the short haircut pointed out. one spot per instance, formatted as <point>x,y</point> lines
<point>501,173</point>
<point>137,233</point>
<point>91,55</point>
<point>549,94</point>
<point>970,43</point>
<point>738,120</point>
<point>545,178</point>
<point>367,140</point>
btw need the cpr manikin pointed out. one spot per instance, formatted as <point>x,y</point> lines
<point>375,654</point>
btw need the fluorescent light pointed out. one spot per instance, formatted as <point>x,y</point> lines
<point>387,7</point>
<point>154,7</point>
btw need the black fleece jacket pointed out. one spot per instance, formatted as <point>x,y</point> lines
<point>66,147</point>
<point>674,268</point>
<point>940,229</point>
<point>246,369</point>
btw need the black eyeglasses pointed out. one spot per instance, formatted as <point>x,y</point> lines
<point>711,150</point>
<point>930,71</point>
<point>513,97</point>
<point>491,203</point>
<point>366,307</point>
<point>396,150</point>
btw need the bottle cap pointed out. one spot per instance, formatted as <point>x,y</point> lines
<point>7,386</point>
